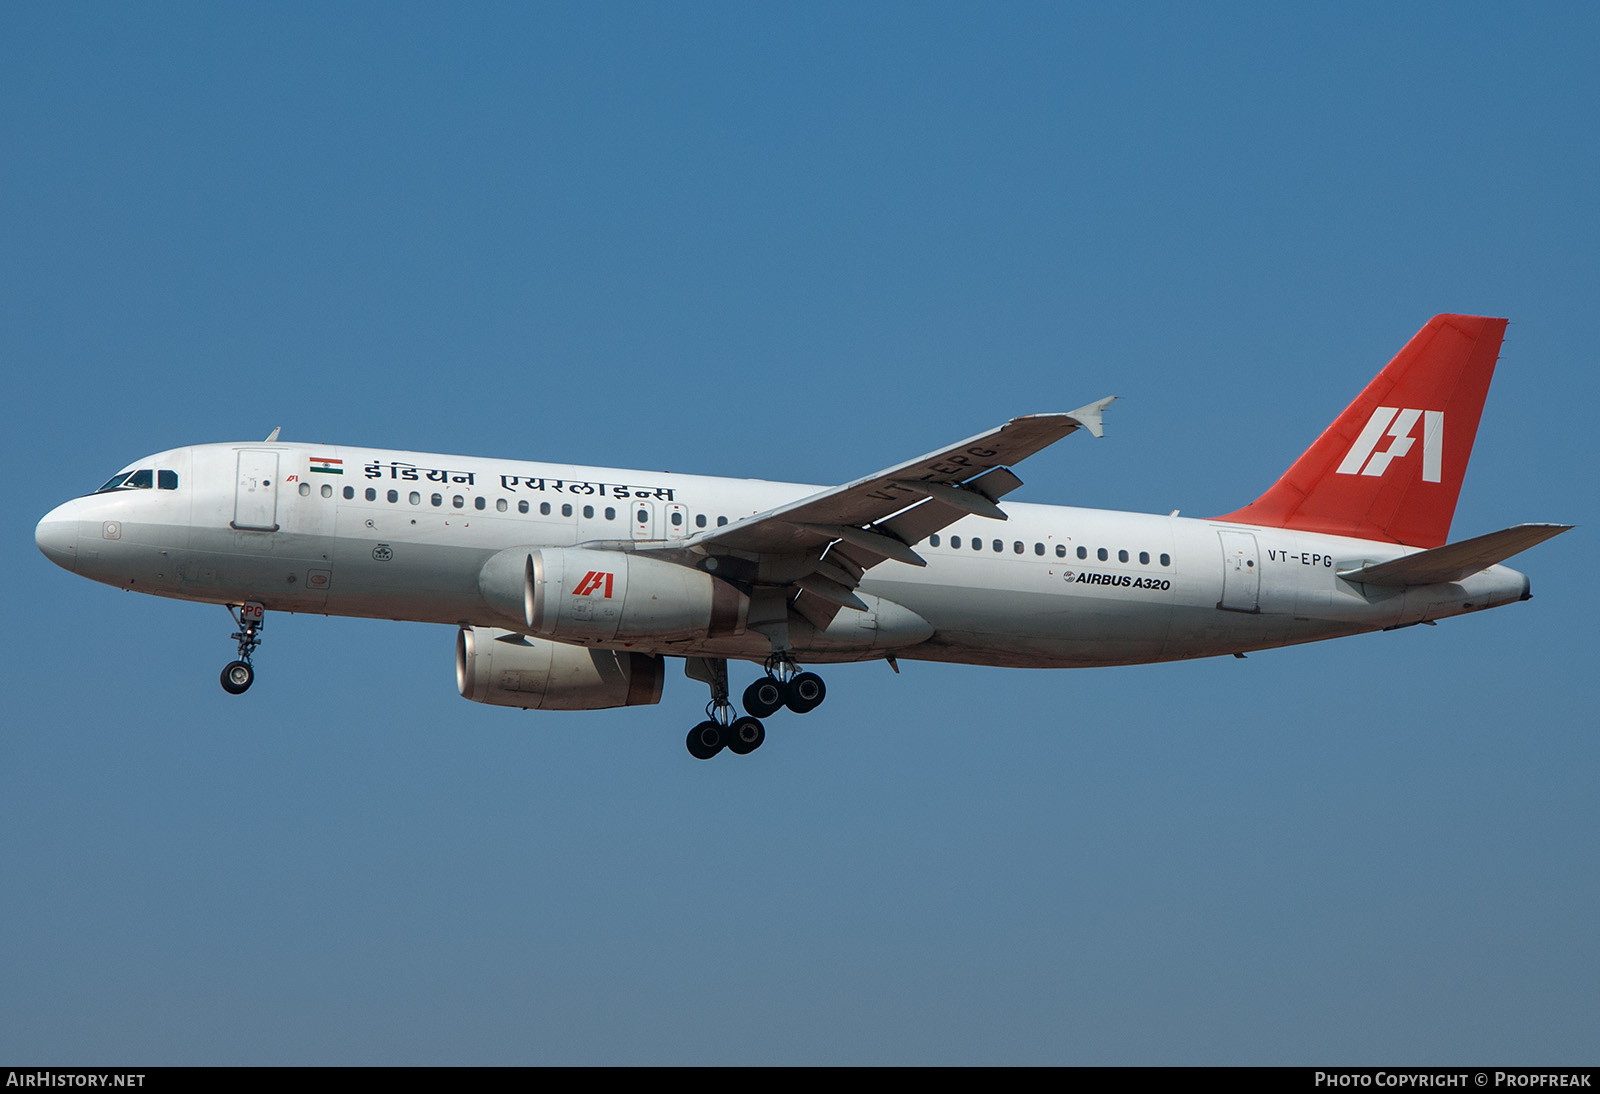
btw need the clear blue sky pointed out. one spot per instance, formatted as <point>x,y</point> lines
<point>798,242</point>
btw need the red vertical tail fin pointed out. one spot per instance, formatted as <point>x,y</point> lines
<point>1391,466</point>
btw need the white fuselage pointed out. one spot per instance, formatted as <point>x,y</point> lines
<point>404,535</point>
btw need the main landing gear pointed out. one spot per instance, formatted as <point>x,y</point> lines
<point>784,685</point>
<point>238,675</point>
<point>721,729</point>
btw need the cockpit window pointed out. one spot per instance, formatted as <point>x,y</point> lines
<point>142,479</point>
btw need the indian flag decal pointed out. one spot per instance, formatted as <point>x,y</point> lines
<point>327,466</point>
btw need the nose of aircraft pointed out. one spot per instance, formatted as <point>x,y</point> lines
<point>57,536</point>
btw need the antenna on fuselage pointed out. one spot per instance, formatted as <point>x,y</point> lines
<point>273,435</point>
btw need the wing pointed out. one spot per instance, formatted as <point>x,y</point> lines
<point>817,548</point>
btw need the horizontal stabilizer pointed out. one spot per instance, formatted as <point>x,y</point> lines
<point>1454,561</point>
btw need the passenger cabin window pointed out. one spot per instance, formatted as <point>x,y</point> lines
<point>700,522</point>
<point>372,495</point>
<point>955,541</point>
<point>1166,560</point>
<point>479,502</point>
<point>933,540</point>
<point>349,493</point>
<point>500,505</point>
<point>1061,550</point>
<point>522,506</point>
<point>1083,552</point>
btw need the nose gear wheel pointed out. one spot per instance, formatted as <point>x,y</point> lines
<point>238,675</point>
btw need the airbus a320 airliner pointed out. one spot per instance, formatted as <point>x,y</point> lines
<point>572,586</point>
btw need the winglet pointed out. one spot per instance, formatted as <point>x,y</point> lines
<point>1089,416</point>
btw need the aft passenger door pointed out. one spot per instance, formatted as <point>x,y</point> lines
<point>1241,573</point>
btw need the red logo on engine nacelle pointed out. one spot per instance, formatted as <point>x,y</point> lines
<point>591,584</point>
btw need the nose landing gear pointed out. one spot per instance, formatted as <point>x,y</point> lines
<point>238,675</point>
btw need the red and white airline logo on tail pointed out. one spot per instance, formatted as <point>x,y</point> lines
<point>1397,424</point>
<point>592,583</point>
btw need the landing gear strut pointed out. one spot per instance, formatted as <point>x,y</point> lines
<point>238,675</point>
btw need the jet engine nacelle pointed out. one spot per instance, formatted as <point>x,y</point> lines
<point>576,594</point>
<point>509,670</point>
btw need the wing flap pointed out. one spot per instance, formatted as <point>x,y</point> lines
<point>832,591</point>
<point>816,611</point>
